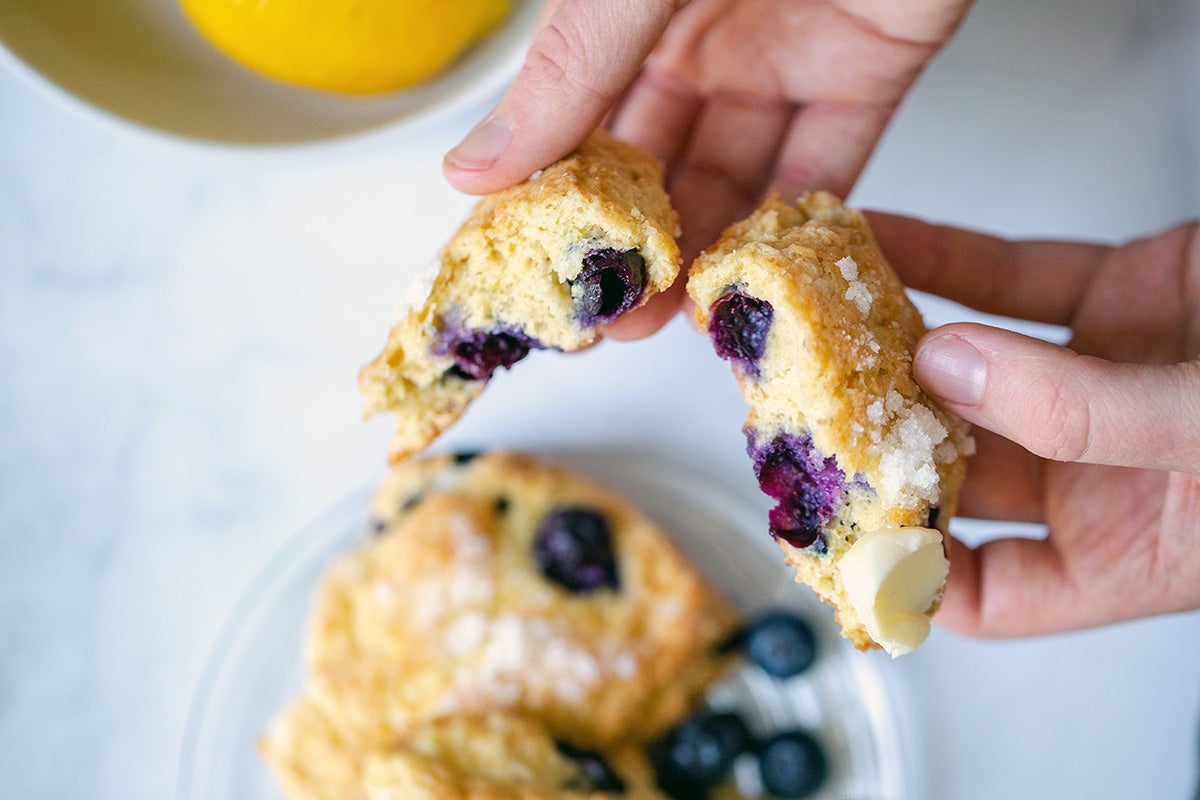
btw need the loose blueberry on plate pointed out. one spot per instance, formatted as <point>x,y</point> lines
<point>597,774</point>
<point>792,764</point>
<point>738,326</point>
<point>780,643</point>
<point>573,547</point>
<point>609,284</point>
<point>696,754</point>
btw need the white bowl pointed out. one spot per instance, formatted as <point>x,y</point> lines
<point>142,61</point>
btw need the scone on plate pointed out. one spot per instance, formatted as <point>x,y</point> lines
<point>539,265</point>
<point>498,583</point>
<point>502,756</point>
<point>864,467</point>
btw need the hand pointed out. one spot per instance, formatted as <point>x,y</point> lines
<point>734,96</point>
<point>1100,441</point>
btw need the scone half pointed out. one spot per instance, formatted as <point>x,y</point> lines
<point>864,467</point>
<point>541,265</point>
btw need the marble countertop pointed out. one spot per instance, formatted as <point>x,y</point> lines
<point>181,325</point>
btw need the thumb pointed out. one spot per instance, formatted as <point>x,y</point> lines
<point>1065,406</point>
<point>581,61</point>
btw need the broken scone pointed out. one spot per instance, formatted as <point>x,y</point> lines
<point>540,265</point>
<point>864,467</point>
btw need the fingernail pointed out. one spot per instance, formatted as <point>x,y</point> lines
<point>483,146</point>
<point>950,368</point>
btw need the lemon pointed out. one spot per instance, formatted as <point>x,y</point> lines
<point>353,46</point>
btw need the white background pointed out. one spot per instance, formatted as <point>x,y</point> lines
<point>180,328</point>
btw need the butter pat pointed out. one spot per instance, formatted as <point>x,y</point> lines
<point>892,578</point>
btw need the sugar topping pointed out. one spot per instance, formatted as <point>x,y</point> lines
<point>421,287</point>
<point>857,292</point>
<point>502,656</point>
<point>909,452</point>
<point>470,543</point>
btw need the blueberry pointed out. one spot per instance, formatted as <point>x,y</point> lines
<point>609,284</point>
<point>501,506</point>
<point>780,643</point>
<point>792,764</point>
<point>934,512</point>
<point>466,456</point>
<point>807,485</point>
<point>598,776</point>
<point>477,354</point>
<point>573,548</point>
<point>738,326</point>
<point>697,753</point>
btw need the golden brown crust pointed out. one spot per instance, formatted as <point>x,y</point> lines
<point>446,614</point>
<point>509,267</point>
<point>837,367</point>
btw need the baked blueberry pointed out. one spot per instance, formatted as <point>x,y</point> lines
<point>597,774</point>
<point>806,484</point>
<point>573,547</point>
<point>477,354</point>
<point>792,764</point>
<point>738,325</point>
<point>697,754</point>
<point>780,643</point>
<point>609,284</point>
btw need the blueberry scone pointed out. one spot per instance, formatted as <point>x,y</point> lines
<point>501,756</point>
<point>498,583</point>
<point>495,755</point>
<point>864,467</point>
<point>540,265</point>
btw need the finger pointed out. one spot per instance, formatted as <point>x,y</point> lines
<point>658,311</point>
<point>827,147</point>
<point>725,168</point>
<point>1004,481</point>
<point>579,64</point>
<point>1010,587</point>
<point>658,113</point>
<point>1041,281</point>
<point>1064,406</point>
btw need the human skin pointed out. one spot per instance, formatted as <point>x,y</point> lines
<point>1099,440</point>
<point>735,97</point>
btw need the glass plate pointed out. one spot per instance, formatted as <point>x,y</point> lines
<point>845,700</point>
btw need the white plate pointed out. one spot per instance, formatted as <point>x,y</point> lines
<point>844,699</point>
<point>141,61</point>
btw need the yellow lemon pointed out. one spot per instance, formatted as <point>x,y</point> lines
<point>354,46</point>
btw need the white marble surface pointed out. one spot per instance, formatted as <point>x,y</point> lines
<point>180,329</point>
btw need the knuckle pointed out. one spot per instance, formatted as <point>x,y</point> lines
<point>1061,420</point>
<point>550,56</point>
<point>557,60</point>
